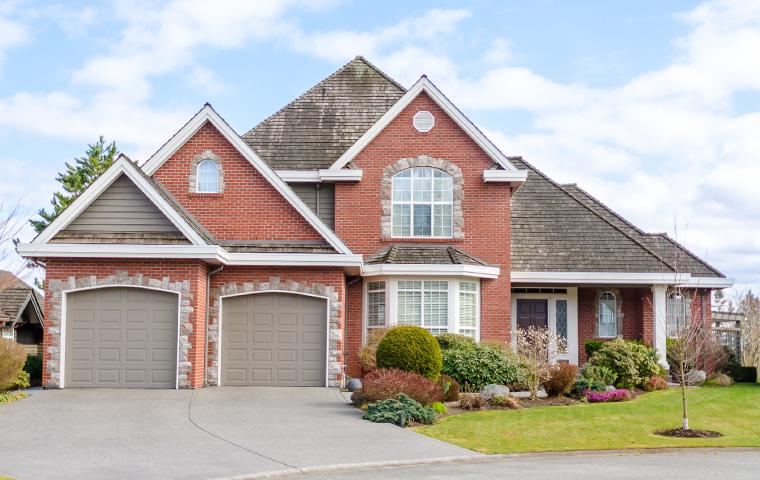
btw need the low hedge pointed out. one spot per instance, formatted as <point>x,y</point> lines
<point>744,374</point>
<point>387,383</point>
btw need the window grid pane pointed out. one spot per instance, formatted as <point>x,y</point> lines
<point>467,308</point>
<point>424,304</point>
<point>208,177</point>
<point>422,203</point>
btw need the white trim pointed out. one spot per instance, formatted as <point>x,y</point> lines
<point>208,114</point>
<point>297,259</point>
<point>659,312</point>
<point>106,250</point>
<point>345,175</point>
<point>504,176</point>
<point>424,85</point>
<point>122,165</point>
<point>62,346</point>
<point>478,271</point>
<point>572,317</point>
<point>680,279</point>
<point>220,320</point>
<point>317,176</point>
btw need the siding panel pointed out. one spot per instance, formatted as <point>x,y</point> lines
<point>320,198</point>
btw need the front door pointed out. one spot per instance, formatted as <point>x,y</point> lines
<point>533,313</point>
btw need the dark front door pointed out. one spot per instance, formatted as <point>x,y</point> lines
<point>532,313</point>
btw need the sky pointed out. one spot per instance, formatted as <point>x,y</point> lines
<point>653,107</point>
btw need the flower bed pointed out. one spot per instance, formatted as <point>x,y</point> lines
<point>618,395</point>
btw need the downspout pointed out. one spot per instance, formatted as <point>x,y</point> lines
<point>354,281</point>
<point>208,300</point>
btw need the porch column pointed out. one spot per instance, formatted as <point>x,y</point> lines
<point>659,321</point>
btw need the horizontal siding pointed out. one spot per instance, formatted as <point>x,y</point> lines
<point>320,198</point>
<point>122,207</point>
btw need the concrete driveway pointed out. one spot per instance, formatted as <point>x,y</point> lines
<point>206,433</point>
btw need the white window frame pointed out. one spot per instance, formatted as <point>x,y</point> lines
<point>432,202</point>
<point>673,323</point>
<point>367,293</point>
<point>198,176</point>
<point>391,301</point>
<point>614,318</point>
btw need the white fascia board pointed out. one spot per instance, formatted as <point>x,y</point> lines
<point>635,278</point>
<point>343,175</point>
<point>208,114</point>
<point>122,165</point>
<point>296,259</point>
<point>505,176</point>
<point>213,253</point>
<point>478,271</point>
<point>316,176</point>
<point>423,84</point>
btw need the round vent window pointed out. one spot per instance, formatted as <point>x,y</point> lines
<point>423,121</point>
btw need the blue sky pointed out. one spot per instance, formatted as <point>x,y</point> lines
<point>654,107</point>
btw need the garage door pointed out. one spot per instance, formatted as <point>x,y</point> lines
<point>274,339</point>
<point>121,338</point>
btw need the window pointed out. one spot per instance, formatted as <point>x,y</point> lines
<point>208,177</point>
<point>375,304</point>
<point>422,203</point>
<point>561,319</point>
<point>607,315</point>
<point>468,308</point>
<point>676,313</point>
<point>424,304</point>
<point>7,333</point>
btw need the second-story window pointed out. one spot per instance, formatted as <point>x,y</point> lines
<point>208,177</point>
<point>422,203</point>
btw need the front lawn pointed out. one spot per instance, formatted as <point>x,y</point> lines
<point>733,411</point>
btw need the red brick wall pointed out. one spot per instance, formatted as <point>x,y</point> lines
<point>485,206</point>
<point>354,300</point>
<point>249,208</point>
<point>177,270</point>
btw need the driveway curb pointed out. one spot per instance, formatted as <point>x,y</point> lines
<point>477,459</point>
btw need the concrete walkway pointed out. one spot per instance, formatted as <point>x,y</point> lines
<point>206,433</point>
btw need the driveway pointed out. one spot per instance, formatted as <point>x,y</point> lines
<point>200,434</point>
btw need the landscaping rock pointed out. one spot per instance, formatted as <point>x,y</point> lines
<point>610,388</point>
<point>492,390</point>
<point>354,385</point>
<point>540,394</point>
<point>696,377</point>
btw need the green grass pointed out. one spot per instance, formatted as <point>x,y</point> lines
<point>733,411</point>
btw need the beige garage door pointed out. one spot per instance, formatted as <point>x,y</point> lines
<point>274,339</point>
<point>121,338</point>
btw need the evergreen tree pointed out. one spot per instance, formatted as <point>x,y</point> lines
<point>77,177</point>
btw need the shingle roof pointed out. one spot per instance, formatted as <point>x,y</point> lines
<point>313,130</point>
<point>424,254</point>
<point>556,228</point>
<point>14,294</point>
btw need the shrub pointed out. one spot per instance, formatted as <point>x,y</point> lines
<point>400,411</point>
<point>454,340</point>
<point>478,365</point>
<point>745,374</point>
<point>633,362</point>
<point>439,408</point>
<point>562,380</point>
<point>600,374</point>
<point>534,349</point>
<point>471,401</point>
<point>656,382</point>
<point>8,397</point>
<point>33,367</point>
<point>619,395</point>
<point>367,352</point>
<point>591,347</point>
<point>449,387</point>
<point>501,401</point>
<point>584,384</point>
<point>383,384</point>
<point>12,359</point>
<point>720,380</point>
<point>358,399</point>
<point>412,349</point>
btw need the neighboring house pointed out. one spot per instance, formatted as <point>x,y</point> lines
<point>21,317</point>
<point>264,259</point>
<point>727,327</point>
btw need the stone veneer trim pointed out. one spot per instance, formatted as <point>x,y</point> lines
<point>386,191</point>
<point>206,155</point>
<point>57,288</point>
<point>274,285</point>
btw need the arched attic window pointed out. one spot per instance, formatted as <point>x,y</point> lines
<point>207,177</point>
<point>422,203</point>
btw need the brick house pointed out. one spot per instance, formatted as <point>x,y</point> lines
<point>264,259</point>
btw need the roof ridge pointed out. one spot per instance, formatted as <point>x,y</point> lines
<point>689,252</point>
<point>563,190</point>
<point>322,82</point>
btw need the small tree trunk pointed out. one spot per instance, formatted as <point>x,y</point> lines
<point>684,396</point>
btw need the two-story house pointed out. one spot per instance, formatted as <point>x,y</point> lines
<point>264,259</point>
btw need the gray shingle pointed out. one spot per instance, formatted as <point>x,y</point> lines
<point>424,254</point>
<point>14,294</point>
<point>315,129</point>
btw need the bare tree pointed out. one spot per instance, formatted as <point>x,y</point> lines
<point>537,349</point>
<point>749,305</point>
<point>12,222</point>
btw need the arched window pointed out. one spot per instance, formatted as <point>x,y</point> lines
<point>208,177</point>
<point>422,203</point>
<point>677,312</point>
<point>607,315</point>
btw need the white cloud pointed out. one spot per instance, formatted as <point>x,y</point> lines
<point>13,33</point>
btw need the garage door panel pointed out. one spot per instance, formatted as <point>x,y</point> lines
<point>121,337</point>
<point>288,340</point>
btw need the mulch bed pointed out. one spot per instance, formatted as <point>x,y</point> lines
<point>690,433</point>
<point>548,402</point>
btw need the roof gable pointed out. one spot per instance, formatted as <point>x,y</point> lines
<point>313,130</point>
<point>15,295</point>
<point>207,115</point>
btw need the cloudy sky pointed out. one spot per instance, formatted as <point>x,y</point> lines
<point>653,107</point>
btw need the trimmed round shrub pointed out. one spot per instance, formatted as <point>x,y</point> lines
<point>454,340</point>
<point>562,380</point>
<point>400,411</point>
<point>385,383</point>
<point>412,349</point>
<point>449,387</point>
<point>479,365</point>
<point>633,362</point>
